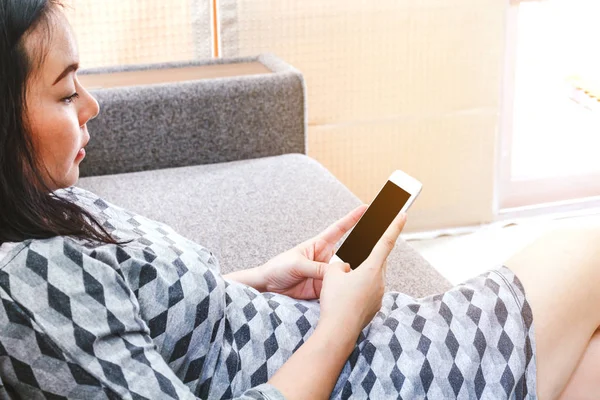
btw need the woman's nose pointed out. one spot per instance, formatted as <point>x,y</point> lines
<point>89,107</point>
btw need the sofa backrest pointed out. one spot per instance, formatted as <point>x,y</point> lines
<point>190,113</point>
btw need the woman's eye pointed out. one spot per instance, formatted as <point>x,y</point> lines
<point>70,99</point>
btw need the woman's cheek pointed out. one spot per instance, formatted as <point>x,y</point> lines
<point>59,161</point>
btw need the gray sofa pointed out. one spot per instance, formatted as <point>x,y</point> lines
<point>224,161</point>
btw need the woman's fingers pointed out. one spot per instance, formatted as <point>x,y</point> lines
<point>312,269</point>
<point>338,229</point>
<point>386,243</point>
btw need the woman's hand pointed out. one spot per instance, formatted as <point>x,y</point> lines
<point>351,298</point>
<point>299,272</point>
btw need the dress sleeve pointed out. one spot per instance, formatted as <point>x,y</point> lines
<point>67,332</point>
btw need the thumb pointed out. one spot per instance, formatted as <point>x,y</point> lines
<point>338,267</point>
<point>317,270</point>
<point>386,243</point>
<point>313,269</point>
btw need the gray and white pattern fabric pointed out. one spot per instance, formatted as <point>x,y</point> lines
<point>154,319</point>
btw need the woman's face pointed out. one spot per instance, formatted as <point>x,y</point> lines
<point>58,107</point>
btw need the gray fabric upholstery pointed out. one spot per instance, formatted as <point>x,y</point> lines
<point>249,211</point>
<point>197,122</point>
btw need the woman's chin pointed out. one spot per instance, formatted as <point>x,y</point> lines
<point>71,178</point>
<point>75,179</point>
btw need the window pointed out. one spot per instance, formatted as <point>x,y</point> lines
<point>117,32</point>
<point>551,132</point>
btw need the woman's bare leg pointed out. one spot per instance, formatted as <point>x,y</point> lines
<point>561,276</point>
<point>585,382</point>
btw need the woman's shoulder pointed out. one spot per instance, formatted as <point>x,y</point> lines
<point>91,202</point>
<point>85,199</point>
<point>124,225</point>
<point>147,245</point>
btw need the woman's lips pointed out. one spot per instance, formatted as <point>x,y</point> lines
<point>80,155</point>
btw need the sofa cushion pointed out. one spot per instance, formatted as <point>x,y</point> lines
<point>248,211</point>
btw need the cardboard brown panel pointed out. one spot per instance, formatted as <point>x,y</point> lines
<point>452,155</point>
<point>168,75</point>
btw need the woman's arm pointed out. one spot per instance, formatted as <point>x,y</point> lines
<point>312,371</point>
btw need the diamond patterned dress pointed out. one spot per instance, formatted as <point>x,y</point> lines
<point>155,319</point>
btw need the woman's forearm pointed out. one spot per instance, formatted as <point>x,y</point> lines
<point>312,371</point>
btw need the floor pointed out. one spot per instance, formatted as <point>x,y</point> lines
<point>461,257</point>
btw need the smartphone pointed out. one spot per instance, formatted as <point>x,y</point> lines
<point>396,196</point>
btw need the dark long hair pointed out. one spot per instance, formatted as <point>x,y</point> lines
<point>28,207</point>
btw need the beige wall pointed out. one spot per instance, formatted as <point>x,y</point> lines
<point>392,84</point>
<point>405,84</point>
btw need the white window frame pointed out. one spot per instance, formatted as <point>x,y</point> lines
<point>524,198</point>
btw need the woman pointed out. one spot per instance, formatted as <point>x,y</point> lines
<point>99,302</point>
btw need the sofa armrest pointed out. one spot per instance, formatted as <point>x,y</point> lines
<point>182,114</point>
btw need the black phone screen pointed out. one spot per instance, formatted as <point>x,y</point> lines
<point>373,224</point>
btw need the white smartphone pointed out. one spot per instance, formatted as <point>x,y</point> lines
<point>396,196</point>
